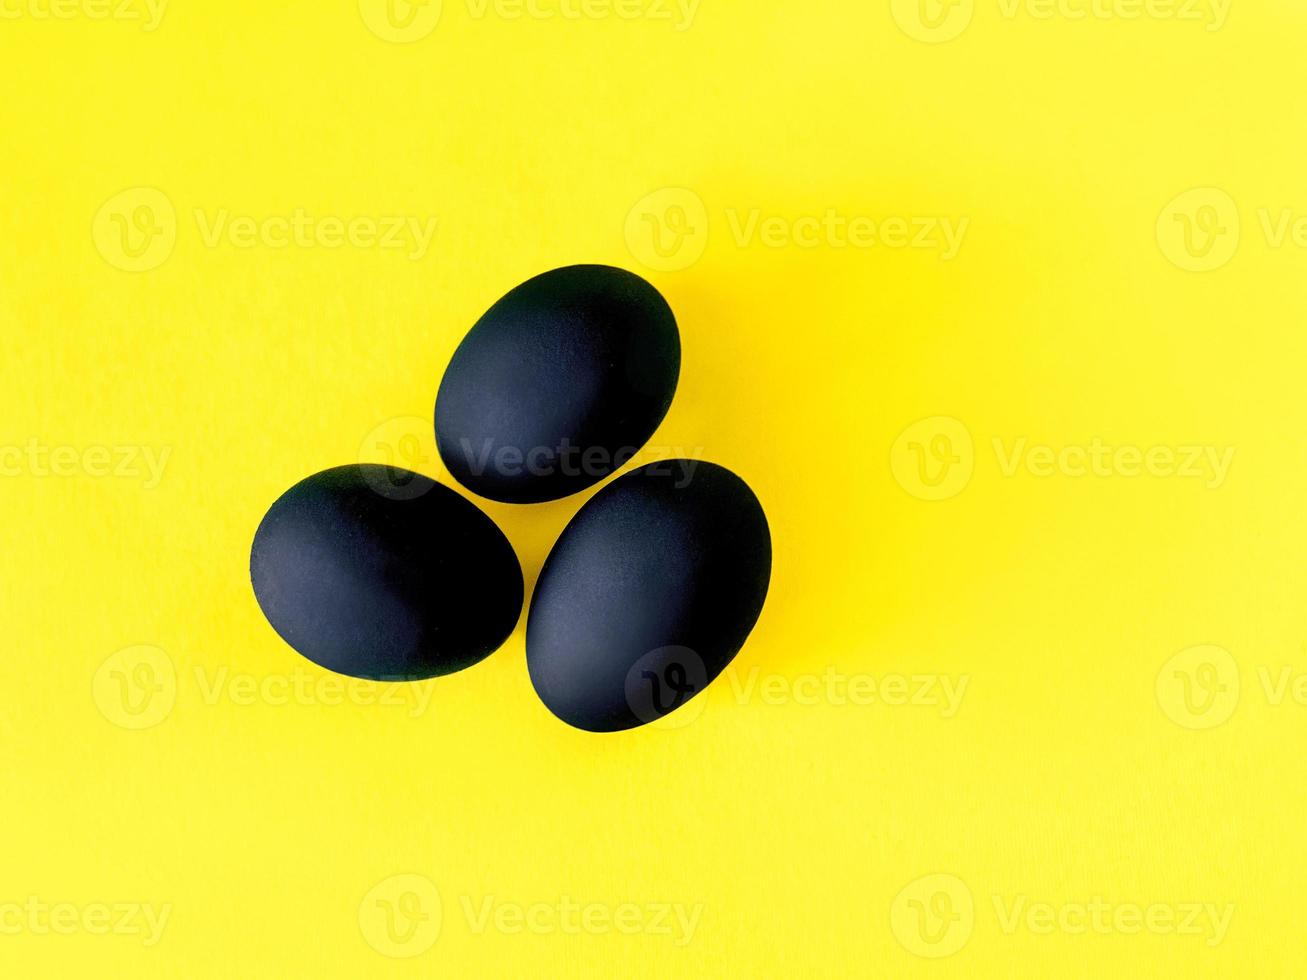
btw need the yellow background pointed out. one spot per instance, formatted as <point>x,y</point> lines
<point>1083,762</point>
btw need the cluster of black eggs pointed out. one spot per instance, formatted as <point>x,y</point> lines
<point>647,595</point>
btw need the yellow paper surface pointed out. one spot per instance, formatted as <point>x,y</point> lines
<point>997,305</point>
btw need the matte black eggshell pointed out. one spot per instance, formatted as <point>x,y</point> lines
<point>376,572</point>
<point>649,593</point>
<point>558,384</point>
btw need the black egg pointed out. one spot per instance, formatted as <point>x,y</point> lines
<point>376,572</point>
<point>558,384</point>
<point>648,594</point>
